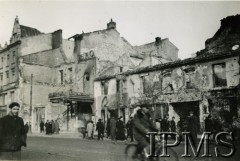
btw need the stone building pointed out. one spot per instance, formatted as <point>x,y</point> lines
<point>205,84</point>
<point>28,64</point>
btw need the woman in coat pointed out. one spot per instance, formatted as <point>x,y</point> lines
<point>120,129</point>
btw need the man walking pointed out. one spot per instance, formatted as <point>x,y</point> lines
<point>100,129</point>
<point>12,133</point>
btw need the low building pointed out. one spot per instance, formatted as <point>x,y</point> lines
<point>205,84</point>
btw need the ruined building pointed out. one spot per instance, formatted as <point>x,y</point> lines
<point>53,78</point>
<point>205,84</point>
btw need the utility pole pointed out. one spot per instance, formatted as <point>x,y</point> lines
<point>31,96</point>
<point>30,114</point>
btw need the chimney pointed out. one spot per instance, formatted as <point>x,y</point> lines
<point>77,45</point>
<point>157,40</point>
<point>111,25</point>
<point>56,39</point>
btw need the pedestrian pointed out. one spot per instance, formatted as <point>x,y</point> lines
<point>100,129</point>
<point>113,128</point>
<point>12,132</point>
<point>120,130</point>
<point>47,124</point>
<point>26,128</point>
<point>193,126</point>
<point>90,129</point>
<point>53,127</point>
<point>108,129</point>
<point>217,126</point>
<point>165,124</point>
<point>173,126</point>
<point>41,126</point>
<point>208,124</point>
<point>57,129</point>
<point>129,126</point>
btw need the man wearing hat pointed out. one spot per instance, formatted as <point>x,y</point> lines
<point>12,134</point>
<point>100,129</point>
<point>142,124</point>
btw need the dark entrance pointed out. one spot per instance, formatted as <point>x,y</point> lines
<point>183,109</point>
<point>84,108</point>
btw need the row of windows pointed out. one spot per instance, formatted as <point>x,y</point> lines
<point>7,74</point>
<point>219,80</point>
<point>8,59</point>
<point>3,98</point>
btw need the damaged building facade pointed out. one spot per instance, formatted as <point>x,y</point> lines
<point>205,84</point>
<point>52,78</point>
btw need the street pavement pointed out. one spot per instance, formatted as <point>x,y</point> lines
<point>71,147</point>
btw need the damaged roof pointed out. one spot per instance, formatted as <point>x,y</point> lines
<point>189,61</point>
<point>29,31</point>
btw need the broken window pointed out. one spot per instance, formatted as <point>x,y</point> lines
<point>118,86</point>
<point>219,75</point>
<point>144,84</point>
<point>121,69</point>
<point>61,76</point>
<point>105,88</point>
<point>70,75</point>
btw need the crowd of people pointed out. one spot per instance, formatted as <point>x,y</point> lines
<point>218,124</point>
<point>50,127</point>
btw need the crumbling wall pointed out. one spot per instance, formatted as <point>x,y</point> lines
<point>36,44</point>
<point>106,44</point>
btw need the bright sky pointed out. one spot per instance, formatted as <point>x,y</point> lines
<point>186,24</point>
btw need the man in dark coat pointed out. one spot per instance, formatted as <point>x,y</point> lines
<point>113,123</point>
<point>47,124</point>
<point>141,126</point>
<point>120,129</point>
<point>42,126</point>
<point>12,133</point>
<point>193,126</point>
<point>100,129</point>
<point>165,124</point>
<point>173,126</point>
<point>208,124</point>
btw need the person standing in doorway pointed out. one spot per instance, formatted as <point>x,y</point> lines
<point>41,127</point>
<point>100,129</point>
<point>12,134</point>
<point>193,126</point>
<point>173,126</point>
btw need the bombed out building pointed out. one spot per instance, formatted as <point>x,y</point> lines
<point>205,84</point>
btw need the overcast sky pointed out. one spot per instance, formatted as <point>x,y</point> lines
<point>186,24</point>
